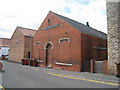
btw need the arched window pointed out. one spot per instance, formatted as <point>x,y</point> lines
<point>64,40</point>
<point>47,44</point>
<point>37,43</point>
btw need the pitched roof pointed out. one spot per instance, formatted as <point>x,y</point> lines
<point>4,42</point>
<point>83,28</point>
<point>27,31</point>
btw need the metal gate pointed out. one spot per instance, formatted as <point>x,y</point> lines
<point>98,67</point>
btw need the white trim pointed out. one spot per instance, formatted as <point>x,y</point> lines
<point>64,38</point>
<point>39,61</point>
<point>63,64</point>
<point>47,43</point>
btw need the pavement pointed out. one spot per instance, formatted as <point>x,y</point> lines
<point>22,76</point>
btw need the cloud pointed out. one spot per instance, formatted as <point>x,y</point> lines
<point>67,10</point>
<point>79,1</point>
<point>93,12</point>
<point>5,34</point>
<point>31,13</point>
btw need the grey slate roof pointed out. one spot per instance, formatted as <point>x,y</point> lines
<point>83,28</point>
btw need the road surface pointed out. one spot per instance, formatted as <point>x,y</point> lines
<point>21,76</point>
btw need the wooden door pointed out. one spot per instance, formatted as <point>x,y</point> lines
<point>48,55</point>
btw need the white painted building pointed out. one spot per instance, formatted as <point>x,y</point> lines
<point>4,51</point>
<point>4,47</point>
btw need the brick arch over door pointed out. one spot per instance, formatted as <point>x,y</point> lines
<point>48,51</point>
<point>48,42</point>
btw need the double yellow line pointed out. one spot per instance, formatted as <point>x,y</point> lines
<point>2,88</point>
<point>90,80</point>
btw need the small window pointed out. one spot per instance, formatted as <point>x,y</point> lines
<point>48,21</point>
<point>64,40</point>
<point>37,43</point>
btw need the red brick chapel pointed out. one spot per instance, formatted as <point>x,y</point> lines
<point>63,43</point>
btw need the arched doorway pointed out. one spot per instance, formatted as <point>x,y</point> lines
<point>49,54</point>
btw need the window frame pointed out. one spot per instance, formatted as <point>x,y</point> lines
<point>64,39</point>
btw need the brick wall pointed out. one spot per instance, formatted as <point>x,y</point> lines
<point>27,46</point>
<point>66,52</point>
<point>16,47</point>
<point>89,44</point>
<point>90,52</point>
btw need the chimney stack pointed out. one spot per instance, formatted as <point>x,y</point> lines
<point>87,24</point>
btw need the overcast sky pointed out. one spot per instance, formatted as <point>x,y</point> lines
<point>31,13</point>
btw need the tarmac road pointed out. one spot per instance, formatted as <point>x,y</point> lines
<point>21,76</point>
